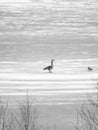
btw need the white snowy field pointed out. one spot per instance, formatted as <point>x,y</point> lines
<point>70,81</point>
<point>58,94</point>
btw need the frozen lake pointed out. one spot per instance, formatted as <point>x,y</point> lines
<point>70,81</point>
<point>32,34</point>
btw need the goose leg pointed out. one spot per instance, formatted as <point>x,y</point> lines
<point>50,71</point>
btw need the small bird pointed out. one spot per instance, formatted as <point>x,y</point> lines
<point>90,69</point>
<point>50,67</point>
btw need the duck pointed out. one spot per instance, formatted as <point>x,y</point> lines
<point>90,69</point>
<point>50,67</point>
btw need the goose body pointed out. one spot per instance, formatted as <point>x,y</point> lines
<point>50,67</point>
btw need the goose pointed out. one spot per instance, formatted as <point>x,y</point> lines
<point>90,69</point>
<point>50,67</point>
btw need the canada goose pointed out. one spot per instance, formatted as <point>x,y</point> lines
<point>50,67</point>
